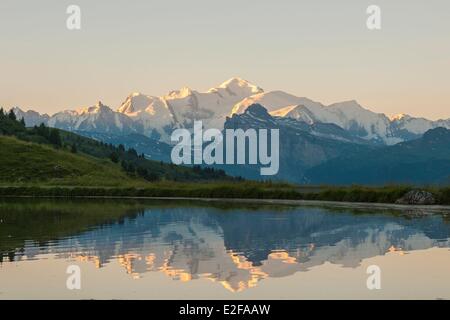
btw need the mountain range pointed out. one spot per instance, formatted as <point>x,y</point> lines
<point>302,145</point>
<point>157,116</point>
<point>312,134</point>
<point>422,161</point>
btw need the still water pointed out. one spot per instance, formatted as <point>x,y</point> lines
<point>189,250</point>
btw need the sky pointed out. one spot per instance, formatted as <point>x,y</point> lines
<point>320,49</point>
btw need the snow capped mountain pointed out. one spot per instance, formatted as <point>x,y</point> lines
<point>302,145</point>
<point>98,118</point>
<point>348,115</point>
<point>156,117</point>
<point>31,118</point>
<point>352,117</point>
<point>408,125</point>
<point>181,107</point>
<point>152,114</point>
<point>274,101</point>
<point>135,103</point>
<point>256,116</point>
<point>237,87</point>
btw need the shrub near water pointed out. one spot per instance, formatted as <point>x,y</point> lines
<point>361,194</point>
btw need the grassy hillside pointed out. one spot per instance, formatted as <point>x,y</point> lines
<point>129,161</point>
<point>30,163</point>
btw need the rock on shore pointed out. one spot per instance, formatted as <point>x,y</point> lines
<point>417,197</point>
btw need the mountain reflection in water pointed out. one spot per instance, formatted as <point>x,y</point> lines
<point>235,246</point>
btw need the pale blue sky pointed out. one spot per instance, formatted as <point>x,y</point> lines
<point>319,49</point>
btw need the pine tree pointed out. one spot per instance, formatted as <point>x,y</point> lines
<point>42,130</point>
<point>132,152</point>
<point>124,165</point>
<point>114,157</point>
<point>131,168</point>
<point>12,115</point>
<point>55,138</point>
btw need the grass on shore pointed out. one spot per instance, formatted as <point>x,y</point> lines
<point>246,189</point>
<point>30,169</point>
<point>24,163</point>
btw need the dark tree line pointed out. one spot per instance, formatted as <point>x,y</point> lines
<point>52,135</point>
<point>10,125</point>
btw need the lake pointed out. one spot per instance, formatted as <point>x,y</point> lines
<point>195,250</point>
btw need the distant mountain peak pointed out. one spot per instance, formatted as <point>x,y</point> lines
<point>236,81</point>
<point>351,102</point>
<point>257,110</point>
<point>16,109</point>
<point>348,105</point>
<point>286,111</point>
<point>180,94</point>
<point>436,133</point>
<point>238,85</point>
<point>401,116</point>
<point>97,108</point>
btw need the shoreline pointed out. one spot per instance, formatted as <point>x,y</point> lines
<point>310,203</point>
